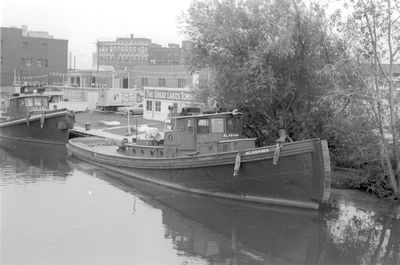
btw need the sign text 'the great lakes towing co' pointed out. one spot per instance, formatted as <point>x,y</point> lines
<point>178,95</point>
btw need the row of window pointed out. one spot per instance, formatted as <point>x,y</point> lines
<point>128,58</point>
<point>206,125</point>
<point>162,82</point>
<point>25,46</point>
<point>31,62</point>
<point>30,102</point>
<point>149,105</point>
<point>126,49</point>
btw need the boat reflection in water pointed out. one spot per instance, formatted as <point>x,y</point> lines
<point>78,225</point>
<point>358,229</point>
<point>33,161</point>
<point>228,232</point>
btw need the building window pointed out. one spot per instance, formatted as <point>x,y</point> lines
<point>25,45</point>
<point>161,82</point>
<point>181,83</point>
<point>28,62</point>
<point>158,106</point>
<point>149,105</point>
<point>44,46</point>
<point>46,63</point>
<point>145,81</point>
<point>1,60</point>
<point>39,62</point>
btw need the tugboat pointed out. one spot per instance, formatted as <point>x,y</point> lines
<point>30,119</point>
<point>207,153</point>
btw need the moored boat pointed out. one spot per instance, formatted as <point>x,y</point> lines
<point>30,119</point>
<point>207,153</point>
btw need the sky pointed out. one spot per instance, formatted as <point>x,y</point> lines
<point>82,22</point>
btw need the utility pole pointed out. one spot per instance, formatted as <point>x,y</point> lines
<point>98,56</point>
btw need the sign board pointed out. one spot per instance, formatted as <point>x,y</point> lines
<point>117,97</point>
<point>175,95</point>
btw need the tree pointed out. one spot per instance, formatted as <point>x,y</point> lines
<point>265,56</point>
<point>369,35</point>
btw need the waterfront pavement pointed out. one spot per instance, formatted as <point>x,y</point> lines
<point>113,125</point>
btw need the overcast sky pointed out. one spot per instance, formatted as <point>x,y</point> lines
<point>81,22</point>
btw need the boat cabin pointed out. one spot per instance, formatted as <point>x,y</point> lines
<point>205,133</point>
<point>22,104</point>
<point>193,133</point>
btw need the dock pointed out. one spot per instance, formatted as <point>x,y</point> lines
<point>82,132</point>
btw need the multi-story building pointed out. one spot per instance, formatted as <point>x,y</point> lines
<point>172,76</point>
<point>165,86</point>
<point>31,57</point>
<point>159,55</point>
<point>23,57</point>
<point>123,53</point>
<point>126,53</point>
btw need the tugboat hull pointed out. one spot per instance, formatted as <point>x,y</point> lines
<point>47,127</point>
<point>299,178</point>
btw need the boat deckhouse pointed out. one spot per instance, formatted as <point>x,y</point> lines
<point>157,101</point>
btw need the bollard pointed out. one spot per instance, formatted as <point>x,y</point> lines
<point>87,126</point>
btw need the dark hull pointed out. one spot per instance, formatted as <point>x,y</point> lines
<point>52,129</point>
<point>301,177</point>
<point>222,230</point>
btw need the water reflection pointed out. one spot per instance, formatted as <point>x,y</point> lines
<point>22,163</point>
<point>363,230</point>
<point>358,229</point>
<point>355,231</point>
<point>226,232</point>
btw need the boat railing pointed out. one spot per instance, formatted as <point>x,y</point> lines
<point>131,149</point>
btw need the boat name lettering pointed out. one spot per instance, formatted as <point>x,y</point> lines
<point>259,151</point>
<point>231,135</point>
<point>35,116</point>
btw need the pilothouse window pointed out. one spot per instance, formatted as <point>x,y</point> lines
<point>169,124</point>
<point>38,102</point>
<point>45,102</point>
<point>29,102</point>
<point>202,126</point>
<point>232,125</point>
<point>217,125</point>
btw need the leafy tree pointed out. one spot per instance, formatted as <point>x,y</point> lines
<point>266,57</point>
<point>369,35</point>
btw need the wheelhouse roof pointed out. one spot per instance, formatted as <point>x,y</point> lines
<point>203,115</point>
<point>29,96</point>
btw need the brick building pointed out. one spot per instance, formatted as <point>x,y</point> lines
<point>126,53</point>
<point>123,53</point>
<point>159,55</point>
<point>25,56</point>
<point>160,76</point>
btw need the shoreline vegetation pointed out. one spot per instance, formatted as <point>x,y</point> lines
<point>292,65</point>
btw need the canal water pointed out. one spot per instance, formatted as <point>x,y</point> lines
<point>59,210</point>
